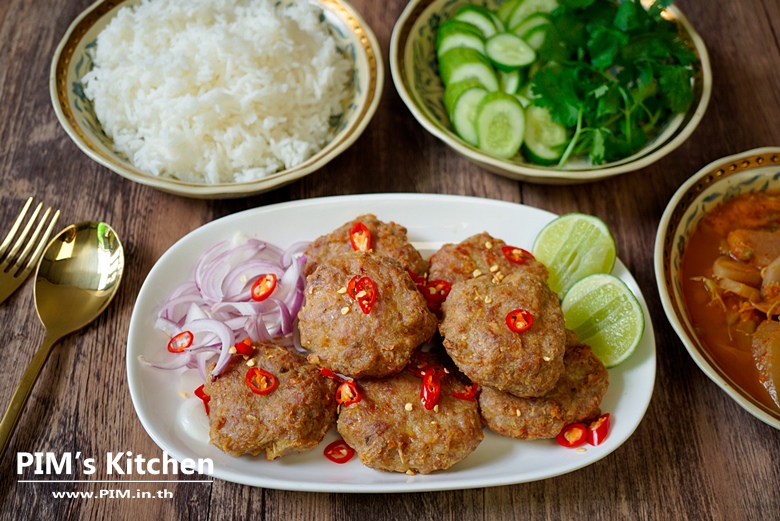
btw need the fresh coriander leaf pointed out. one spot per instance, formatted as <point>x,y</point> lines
<point>555,88</point>
<point>609,103</point>
<point>629,16</point>
<point>675,82</point>
<point>597,147</point>
<point>604,45</point>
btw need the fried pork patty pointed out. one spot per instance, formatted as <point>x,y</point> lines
<point>345,339</point>
<point>294,417</point>
<point>480,253</point>
<point>388,239</point>
<point>479,341</point>
<point>576,397</point>
<point>391,430</point>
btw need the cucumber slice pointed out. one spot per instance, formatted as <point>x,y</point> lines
<point>500,125</point>
<point>526,8</point>
<point>462,63</point>
<point>505,10</point>
<point>533,21</point>
<point>454,90</point>
<point>508,51</point>
<point>510,81</point>
<point>464,113</point>
<point>523,100</point>
<point>536,36</point>
<point>478,16</point>
<point>454,33</point>
<point>545,140</point>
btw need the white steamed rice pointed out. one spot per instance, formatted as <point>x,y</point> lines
<point>217,91</point>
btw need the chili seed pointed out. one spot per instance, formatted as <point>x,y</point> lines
<point>494,268</point>
<point>342,290</point>
<point>408,406</point>
<point>476,273</point>
<point>345,310</point>
<point>488,300</point>
<point>489,245</point>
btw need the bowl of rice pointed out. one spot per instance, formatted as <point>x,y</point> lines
<point>216,98</point>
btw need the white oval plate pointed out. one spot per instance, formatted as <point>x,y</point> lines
<point>180,427</point>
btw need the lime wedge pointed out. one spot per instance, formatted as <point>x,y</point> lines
<point>572,247</point>
<point>606,316</point>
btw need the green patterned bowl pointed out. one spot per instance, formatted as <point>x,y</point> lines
<point>415,74</point>
<point>754,170</point>
<point>72,60</point>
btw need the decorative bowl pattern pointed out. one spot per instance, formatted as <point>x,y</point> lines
<point>721,180</point>
<point>75,112</point>
<point>414,69</point>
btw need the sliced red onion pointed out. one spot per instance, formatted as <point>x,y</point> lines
<point>200,305</point>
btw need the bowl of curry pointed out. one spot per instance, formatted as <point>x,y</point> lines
<point>717,265</point>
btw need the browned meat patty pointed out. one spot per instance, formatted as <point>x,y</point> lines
<point>391,430</point>
<point>481,254</point>
<point>294,417</point>
<point>345,339</point>
<point>481,344</point>
<point>388,239</point>
<point>575,398</point>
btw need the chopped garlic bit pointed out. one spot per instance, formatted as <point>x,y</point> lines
<point>251,363</point>
<point>410,472</point>
<point>345,310</point>
<point>232,350</point>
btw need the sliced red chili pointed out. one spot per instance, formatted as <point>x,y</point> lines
<point>347,393</point>
<point>469,394</point>
<point>598,430</point>
<point>431,389</point>
<point>517,255</point>
<point>519,320</point>
<point>263,287</point>
<point>200,393</point>
<point>180,342</point>
<point>360,237</point>
<point>437,291</point>
<point>330,374</point>
<point>365,294</point>
<point>260,381</point>
<point>419,280</point>
<point>245,347</point>
<point>339,452</point>
<point>351,286</point>
<point>572,435</point>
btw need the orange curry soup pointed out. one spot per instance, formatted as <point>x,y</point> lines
<point>721,330</point>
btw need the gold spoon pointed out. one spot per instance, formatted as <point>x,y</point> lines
<point>76,279</point>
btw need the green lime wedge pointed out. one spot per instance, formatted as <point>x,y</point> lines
<point>606,316</point>
<point>572,247</point>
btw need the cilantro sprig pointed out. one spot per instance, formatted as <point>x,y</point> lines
<point>614,73</point>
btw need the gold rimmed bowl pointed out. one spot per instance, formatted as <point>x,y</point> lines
<point>414,69</point>
<point>73,59</point>
<point>751,171</point>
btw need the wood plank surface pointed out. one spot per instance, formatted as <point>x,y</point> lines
<point>696,454</point>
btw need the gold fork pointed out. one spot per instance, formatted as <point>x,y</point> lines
<point>16,266</point>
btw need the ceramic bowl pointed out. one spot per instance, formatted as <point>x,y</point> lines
<point>76,114</point>
<point>414,69</point>
<point>755,170</point>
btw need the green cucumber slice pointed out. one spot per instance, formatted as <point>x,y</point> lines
<point>500,125</point>
<point>478,16</point>
<point>533,21</point>
<point>510,81</point>
<point>526,8</point>
<point>454,33</point>
<point>505,10</point>
<point>453,91</point>
<point>545,140</point>
<point>464,113</point>
<point>536,36</point>
<point>508,51</point>
<point>462,63</point>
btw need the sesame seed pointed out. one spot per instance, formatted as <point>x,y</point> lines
<point>446,371</point>
<point>408,406</point>
<point>345,310</point>
<point>183,394</point>
<point>476,273</point>
<point>582,450</point>
<point>489,245</point>
<point>250,363</point>
<point>251,417</point>
<point>517,412</point>
<point>342,290</point>
<point>500,276</point>
<point>410,472</point>
<point>546,358</point>
<point>232,350</point>
<point>494,268</point>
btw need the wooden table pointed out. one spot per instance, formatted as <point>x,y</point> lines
<point>696,454</point>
